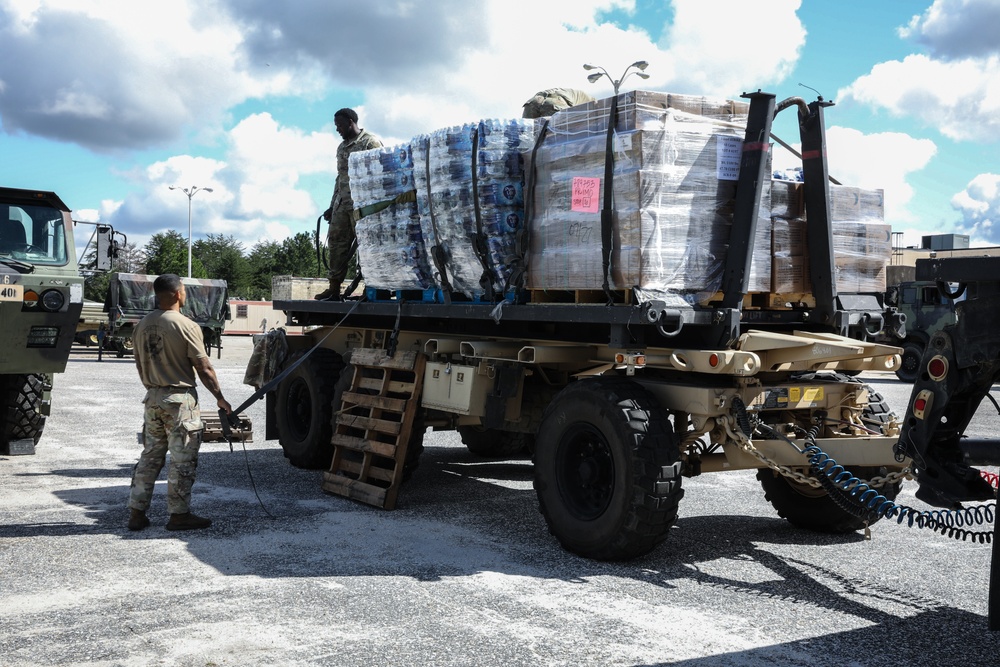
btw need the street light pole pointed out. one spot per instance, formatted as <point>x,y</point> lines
<point>635,68</point>
<point>190,192</point>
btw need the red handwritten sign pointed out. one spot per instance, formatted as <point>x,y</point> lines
<point>586,194</point>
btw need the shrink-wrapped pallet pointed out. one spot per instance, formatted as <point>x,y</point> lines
<point>676,161</point>
<point>469,189</point>
<point>391,248</point>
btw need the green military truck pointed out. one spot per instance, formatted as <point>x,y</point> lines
<point>130,298</point>
<point>41,297</point>
<point>926,311</point>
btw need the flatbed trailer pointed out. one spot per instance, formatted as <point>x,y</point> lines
<point>615,401</point>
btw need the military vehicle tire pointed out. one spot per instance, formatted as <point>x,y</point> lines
<point>22,417</point>
<point>607,473</point>
<point>812,508</point>
<point>493,443</point>
<point>909,365</point>
<point>305,410</point>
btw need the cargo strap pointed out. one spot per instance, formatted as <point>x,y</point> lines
<point>373,428</point>
<point>608,211</point>
<point>518,265</point>
<point>479,243</point>
<point>438,252</point>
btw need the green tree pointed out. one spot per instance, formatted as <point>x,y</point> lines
<point>130,259</point>
<point>222,257</point>
<point>166,252</point>
<point>294,256</point>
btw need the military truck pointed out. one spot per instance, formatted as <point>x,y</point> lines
<point>617,391</point>
<point>41,296</point>
<point>131,297</point>
<point>926,311</point>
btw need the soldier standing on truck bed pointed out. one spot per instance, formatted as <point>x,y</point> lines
<point>168,353</point>
<point>340,237</point>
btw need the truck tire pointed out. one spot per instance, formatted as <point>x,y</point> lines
<point>607,469</point>
<point>22,417</point>
<point>812,508</point>
<point>305,410</point>
<point>492,443</point>
<point>909,365</point>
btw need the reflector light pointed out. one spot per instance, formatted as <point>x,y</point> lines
<point>619,358</point>
<point>30,298</point>
<point>937,368</point>
<point>713,360</point>
<point>919,404</point>
<point>922,403</point>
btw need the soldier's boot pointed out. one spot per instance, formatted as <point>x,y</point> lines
<point>137,520</point>
<point>331,293</point>
<point>187,521</point>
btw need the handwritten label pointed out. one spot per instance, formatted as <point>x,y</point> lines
<point>729,151</point>
<point>586,194</point>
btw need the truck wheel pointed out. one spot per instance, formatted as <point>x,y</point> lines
<point>305,410</point>
<point>492,443</point>
<point>812,508</point>
<point>909,366</point>
<point>607,472</point>
<point>22,399</point>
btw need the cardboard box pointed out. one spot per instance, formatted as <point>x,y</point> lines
<point>292,288</point>
<point>786,199</point>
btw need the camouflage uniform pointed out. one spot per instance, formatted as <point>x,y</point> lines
<point>340,234</point>
<point>165,343</point>
<point>547,102</point>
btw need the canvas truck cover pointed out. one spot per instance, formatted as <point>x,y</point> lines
<point>131,297</point>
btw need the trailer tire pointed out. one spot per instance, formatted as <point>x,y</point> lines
<point>607,469</point>
<point>810,508</point>
<point>909,364</point>
<point>23,416</point>
<point>305,410</point>
<point>493,443</point>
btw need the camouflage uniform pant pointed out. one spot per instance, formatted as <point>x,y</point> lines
<point>340,238</point>
<point>172,423</point>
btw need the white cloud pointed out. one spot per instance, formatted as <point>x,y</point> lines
<point>979,205</point>
<point>961,98</point>
<point>957,28</point>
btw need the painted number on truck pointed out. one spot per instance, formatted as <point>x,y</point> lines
<point>11,293</point>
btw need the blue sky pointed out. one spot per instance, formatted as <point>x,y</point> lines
<point>108,102</point>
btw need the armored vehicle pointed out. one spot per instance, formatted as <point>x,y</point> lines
<point>41,296</point>
<point>926,311</point>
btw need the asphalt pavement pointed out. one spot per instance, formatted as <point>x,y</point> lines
<point>464,572</point>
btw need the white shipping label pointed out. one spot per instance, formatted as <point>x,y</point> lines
<point>623,143</point>
<point>728,151</point>
<point>75,293</point>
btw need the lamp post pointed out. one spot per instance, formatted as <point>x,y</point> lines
<point>635,68</point>
<point>190,192</point>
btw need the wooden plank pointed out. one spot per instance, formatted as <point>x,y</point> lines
<point>383,386</point>
<point>353,489</point>
<point>366,356</point>
<point>376,402</point>
<point>355,444</point>
<point>369,423</point>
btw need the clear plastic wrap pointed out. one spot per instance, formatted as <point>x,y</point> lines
<point>463,171</point>
<point>673,197</point>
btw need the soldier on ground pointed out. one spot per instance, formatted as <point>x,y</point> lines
<point>340,236</point>
<point>169,351</point>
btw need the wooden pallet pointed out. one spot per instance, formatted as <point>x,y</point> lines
<point>373,426</point>
<point>624,297</point>
<point>213,428</point>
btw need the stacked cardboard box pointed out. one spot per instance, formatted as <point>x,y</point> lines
<point>676,160</point>
<point>861,240</point>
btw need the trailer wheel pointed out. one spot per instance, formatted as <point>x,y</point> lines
<point>305,410</point>
<point>909,365</point>
<point>812,508</point>
<point>23,416</point>
<point>607,472</point>
<point>493,443</point>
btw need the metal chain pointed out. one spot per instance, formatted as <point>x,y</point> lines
<point>746,444</point>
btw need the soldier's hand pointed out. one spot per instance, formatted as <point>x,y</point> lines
<point>224,405</point>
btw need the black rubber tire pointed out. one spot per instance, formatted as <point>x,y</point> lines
<point>492,443</point>
<point>909,365</point>
<point>607,469</point>
<point>812,508</point>
<point>22,416</point>
<point>305,410</point>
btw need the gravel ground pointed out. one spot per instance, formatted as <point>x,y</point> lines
<point>464,572</point>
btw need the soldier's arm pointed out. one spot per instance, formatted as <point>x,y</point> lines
<point>206,373</point>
